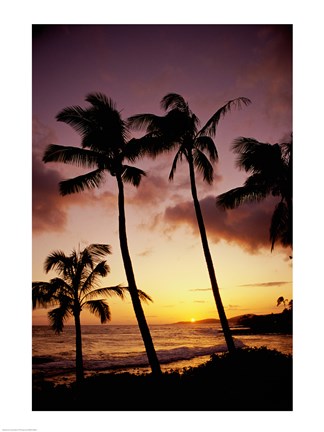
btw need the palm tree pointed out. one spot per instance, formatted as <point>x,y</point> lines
<point>178,130</point>
<point>104,147</point>
<point>270,166</point>
<point>76,289</point>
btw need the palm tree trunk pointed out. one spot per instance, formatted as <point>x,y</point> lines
<point>78,346</point>
<point>209,261</point>
<point>139,313</point>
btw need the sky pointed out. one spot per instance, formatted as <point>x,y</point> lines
<point>136,65</point>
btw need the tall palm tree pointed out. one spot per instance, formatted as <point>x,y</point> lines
<point>178,130</point>
<point>76,289</point>
<point>104,146</point>
<point>270,168</point>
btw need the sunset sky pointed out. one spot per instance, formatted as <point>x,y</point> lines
<point>136,65</point>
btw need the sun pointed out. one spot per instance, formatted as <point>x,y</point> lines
<point>193,320</point>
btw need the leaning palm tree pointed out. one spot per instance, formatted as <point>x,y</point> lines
<point>105,147</point>
<point>178,130</point>
<point>270,168</point>
<point>76,289</point>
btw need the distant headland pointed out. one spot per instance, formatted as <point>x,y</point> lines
<point>232,321</point>
<point>254,324</point>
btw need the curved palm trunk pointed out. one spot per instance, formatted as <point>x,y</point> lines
<point>144,329</point>
<point>209,262</point>
<point>78,346</point>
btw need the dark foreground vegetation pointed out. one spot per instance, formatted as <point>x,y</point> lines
<point>252,379</point>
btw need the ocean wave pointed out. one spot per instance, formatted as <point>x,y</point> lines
<point>42,364</point>
<point>187,353</point>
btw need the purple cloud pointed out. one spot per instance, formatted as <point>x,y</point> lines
<point>247,226</point>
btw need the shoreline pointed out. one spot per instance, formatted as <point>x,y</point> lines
<point>67,377</point>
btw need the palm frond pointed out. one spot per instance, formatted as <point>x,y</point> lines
<point>107,138</point>
<point>57,260</point>
<point>203,165</point>
<point>245,145</point>
<point>84,260</point>
<point>206,143</point>
<point>90,180</point>
<point>210,127</point>
<point>258,157</point>
<point>100,100</point>
<point>237,196</point>
<point>174,101</point>
<point>74,155</point>
<point>61,286</point>
<point>42,295</point>
<point>177,157</point>
<point>100,309</point>
<point>280,228</point>
<point>176,126</point>
<point>66,300</point>
<point>133,150</point>
<point>258,184</point>
<point>99,250</point>
<point>101,269</point>
<point>76,117</point>
<point>106,291</point>
<point>286,152</point>
<point>162,133</point>
<point>165,131</point>
<point>132,175</point>
<point>141,294</point>
<point>117,290</point>
<point>195,120</point>
<point>57,317</point>
<point>144,297</point>
<point>150,122</point>
<point>100,125</point>
<point>152,144</point>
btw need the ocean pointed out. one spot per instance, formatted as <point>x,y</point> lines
<point>109,348</point>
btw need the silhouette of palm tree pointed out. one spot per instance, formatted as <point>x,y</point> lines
<point>270,166</point>
<point>104,146</point>
<point>75,290</point>
<point>178,130</point>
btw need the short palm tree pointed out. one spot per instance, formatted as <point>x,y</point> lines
<point>270,168</point>
<point>105,147</point>
<point>76,289</point>
<point>178,130</point>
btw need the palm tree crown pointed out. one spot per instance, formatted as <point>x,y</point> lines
<point>104,145</point>
<point>179,129</point>
<point>270,168</point>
